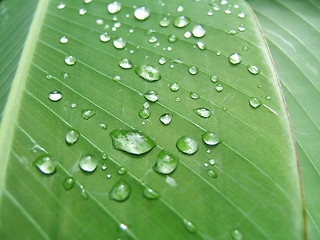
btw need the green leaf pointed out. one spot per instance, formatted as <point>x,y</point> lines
<point>292,30</point>
<point>245,186</point>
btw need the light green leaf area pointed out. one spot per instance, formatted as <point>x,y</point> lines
<point>243,185</point>
<point>293,31</point>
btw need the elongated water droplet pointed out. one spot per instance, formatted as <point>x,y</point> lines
<point>166,118</point>
<point>198,31</point>
<point>119,43</point>
<point>64,40</point>
<point>116,78</point>
<point>210,138</point>
<point>125,63</point>
<point>174,87</point>
<point>45,164</point>
<point>141,13</point>
<point>254,102</point>
<point>87,1</point>
<point>212,162</point>
<point>166,163</point>
<point>164,22</point>
<point>187,145</point>
<point>144,113</point>
<point>83,193</point>
<point>55,96</point>
<point>194,95</point>
<point>203,112</point>
<point>86,114</point>
<point>235,58</point>
<point>212,174</point>
<point>105,37</point>
<point>201,46</point>
<point>131,141</point>
<point>189,226</point>
<point>72,136</point>
<point>219,88</point>
<point>232,32</point>
<point>68,183</point>
<point>149,192</point>
<point>88,163</point>
<point>114,7</point>
<point>120,191</point>
<point>172,38</point>
<point>254,70</point>
<point>193,70</point>
<point>152,96</point>
<point>70,60</point>
<point>148,73</point>
<point>181,21</point>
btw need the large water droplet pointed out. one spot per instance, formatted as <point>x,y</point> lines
<point>187,145</point>
<point>144,113</point>
<point>212,174</point>
<point>210,138</point>
<point>174,87</point>
<point>119,43</point>
<point>114,7</point>
<point>45,164</point>
<point>88,163</point>
<point>166,163</point>
<point>120,191</point>
<point>105,37</point>
<point>68,183</point>
<point>203,112</point>
<point>131,141</point>
<point>70,60</point>
<point>166,118</point>
<point>254,102</point>
<point>149,192</point>
<point>152,96</point>
<point>141,13</point>
<point>55,96</point>
<point>86,114</point>
<point>148,73</point>
<point>198,31</point>
<point>125,63</point>
<point>164,22</point>
<point>72,136</point>
<point>235,58</point>
<point>236,235</point>
<point>181,21</point>
<point>254,70</point>
<point>189,226</point>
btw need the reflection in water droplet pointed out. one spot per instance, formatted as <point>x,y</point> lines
<point>254,70</point>
<point>86,114</point>
<point>164,22</point>
<point>144,113</point>
<point>114,7</point>
<point>55,96</point>
<point>181,21</point>
<point>45,164</point>
<point>119,43</point>
<point>68,183</point>
<point>166,163</point>
<point>105,37</point>
<point>212,174</point>
<point>149,192</point>
<point>131,141</point>
<point>152,96</point>
<point>203,112</point>
<point>70,60</point>
<point>219,88</point>
<point>187,145</point>
<point>148,73</point>
<point>64,40</point>
<point>122,170</point>
<point>235,58</point>
<point>254,102</point>
<point>88,163</point>
<point>194,95</point>
<point>72,136</point>
<point>189,226</point>
<point>141,13</point>
<point>236,235</point>
<point>166,118</point>
<point>174,87</point>
<point>198,31</point>
<point>210,138</point>
<point>193,70</point>
<point>120,191</point>
<point>125,63</point>
<point>172,38</point>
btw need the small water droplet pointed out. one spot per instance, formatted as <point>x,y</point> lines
<point>212,173</point>
<point>153,39</point>
<point>73,105</point>
<point>241,28</point>
<point>125,63</point>
<point>88,163</point>
<point>212,162</point>
<point>103,126</point>
<point>172,38</point>
<point>86,114</point>
<point>241,15</point>
<point>45,164</point>
<point>219,88</point>
<point>205,164</point>
<point>232,32</point>
<point>201,46</point>
<point>162,61</point>
<point>149,192</point>
<point>99,22</point>
<point>65,75</point>
<point>210,138</point>
<point>174,87</point>
<point>104,156</point>
<point>187,35</point>
<point>55,96</point>
<point>148,73</point>
<point>87,1</point>
<point>114,7</point>
<point>68,183</point>
<point>49,76</point>
<point>119,43</point>
<point>203,112</point>
<point>70,60</point>
<point>166,118</point>
<point>254,102</point>
<point>122,170</point>
<point>164,22</point>
<point>151,95</point>
<point>64,40</point>
<point>189,226</point>
<point>235,58</point>
<point>166,163</point>
<point>82,11</point>
<point>141,13</point>
<point>268,97</point>
<point>198,31</point>
<point>228,11</point>
<point>120,191</point>
<point>61,5</point>
<point>245,49</point>
<point>108,176</point>
<point>144,113</point>
<point>72,136</point>
<point>104,166</point>
<point>105,37</point>
<point>83,193</point>
<point>254,70</point>
<point>210,13</point>
<point>146,105</point>
<point>194,95</point>
<point>214,78</point>
<point>181,21</point>
<point>180,9</point>
<point>187,145</point>
<point>193,70</point>
<point>236,235</point>
<point>131,141</point>
<point>117,78</point>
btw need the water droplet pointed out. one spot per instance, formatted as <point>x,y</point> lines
<point>268,97</point>
<point>201,46</point>
<point>153,39</point>
<point>218,53</point>
<point>82,11</point>
<point>64,40</point>
<point>187,145</point>
<point>212,162</point>
<point>194,95</point>
<point>228,11</point>
<point>245,49</point>
<point>146,105</point>
<point>187,34</point>
<point>172,38</point>
<point>203,112</point>
<point>189,226</point>
<point>193,70</point>
<point>241,28</point>
<point>210,13</point>
<point>174,87</point>
<point>219,88</point>
<point>45,164</point>
<point>105,37</point>
<point>86,114</point>
<point>108,176</point>
<point>114,7</point>
<point>141,13</point>
<point>55,96</point>
<point>236,235</point>
<point>125,63</point>
<point>235,58</point>
<point>180,9</point>
<point>241,15</point>
<point>212,174</point>
<point>210,138</point>
<point>61,5</point>
<point>104,156</point>
<point>152,96</point>
<point>70,60</point>
<point>88,163</point>
<point>122,170</point>
<point>232,32</point>
<point>72,136</point>
<point>166,163</point>
<point>117,78</point>
<point>119,43</point>
<point>148,73</point>
<point>87,1</point>
<point>254,70</point>
<point>162,61</point>
<point>254,102</point>
<point>205,164</point>
<point>103,126</point>
<point>131,141</point>
<point>224,2</point>
<point>144,113</point>
<point>214,78</point>
<point>104,166</point>
<point>68,183</point>
<point>164,22</point>
<point>149,192</point>
<point>198,31</point>
<point>65,75</point>
<point>49,76</point>
<point>120,191</point>
<point>166,118</point>
<point>73,105</point>
<point>181,21</point>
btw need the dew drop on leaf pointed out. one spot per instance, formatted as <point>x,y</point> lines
<point>149,193</point>
<point>172,38</point>
<point>114,7</point>
<point>210,138</point>
<point>88,163</point>
<point>193,70</point>
<point>104,166</point>
<point>72,136</point>
<point>45,164</point>
<point>212,174</point>
<point>254,102</point>
<point>141,13</point>
<point>131,141</point>
<point>254,70</point>
<point>187,35</point>
<point>119,43</point>
<point>166,118</point>
<point>64,40</point>
<point>148,73</point>
<point>189,226</point>
<point>86,114</point>
<point>236,235</point>
<point>214,79</point>
<point>241,28</point>
<point>164,22</point>
<point>212,162</point>
<point>146,105</point>
<point>194,95</point>
<point>162,61</point>
<point>82,11</point>
<point>68,183</point>
<point>235,58</point>
<point>153,39</point>
<point>55,96</point>
<point>144,113</point>
<point>174,87</point>
<point>49,76</point>
<point>125,63</point>
<point>83,193</point>
<point>120,191</point>
<point>61,5</point>
<point>166,163</point>
<point>198,31</point>
<point>219,88</point>
<point>104,156</point>
<point>201,46</point>
<point>241,15</point>
<point>203,112</point>
<point>122,170</point>
<point>187,145</point>
<point>103,126</point>
<point>181,21</point>
<point>105,37</point>
<point>151,95</point>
